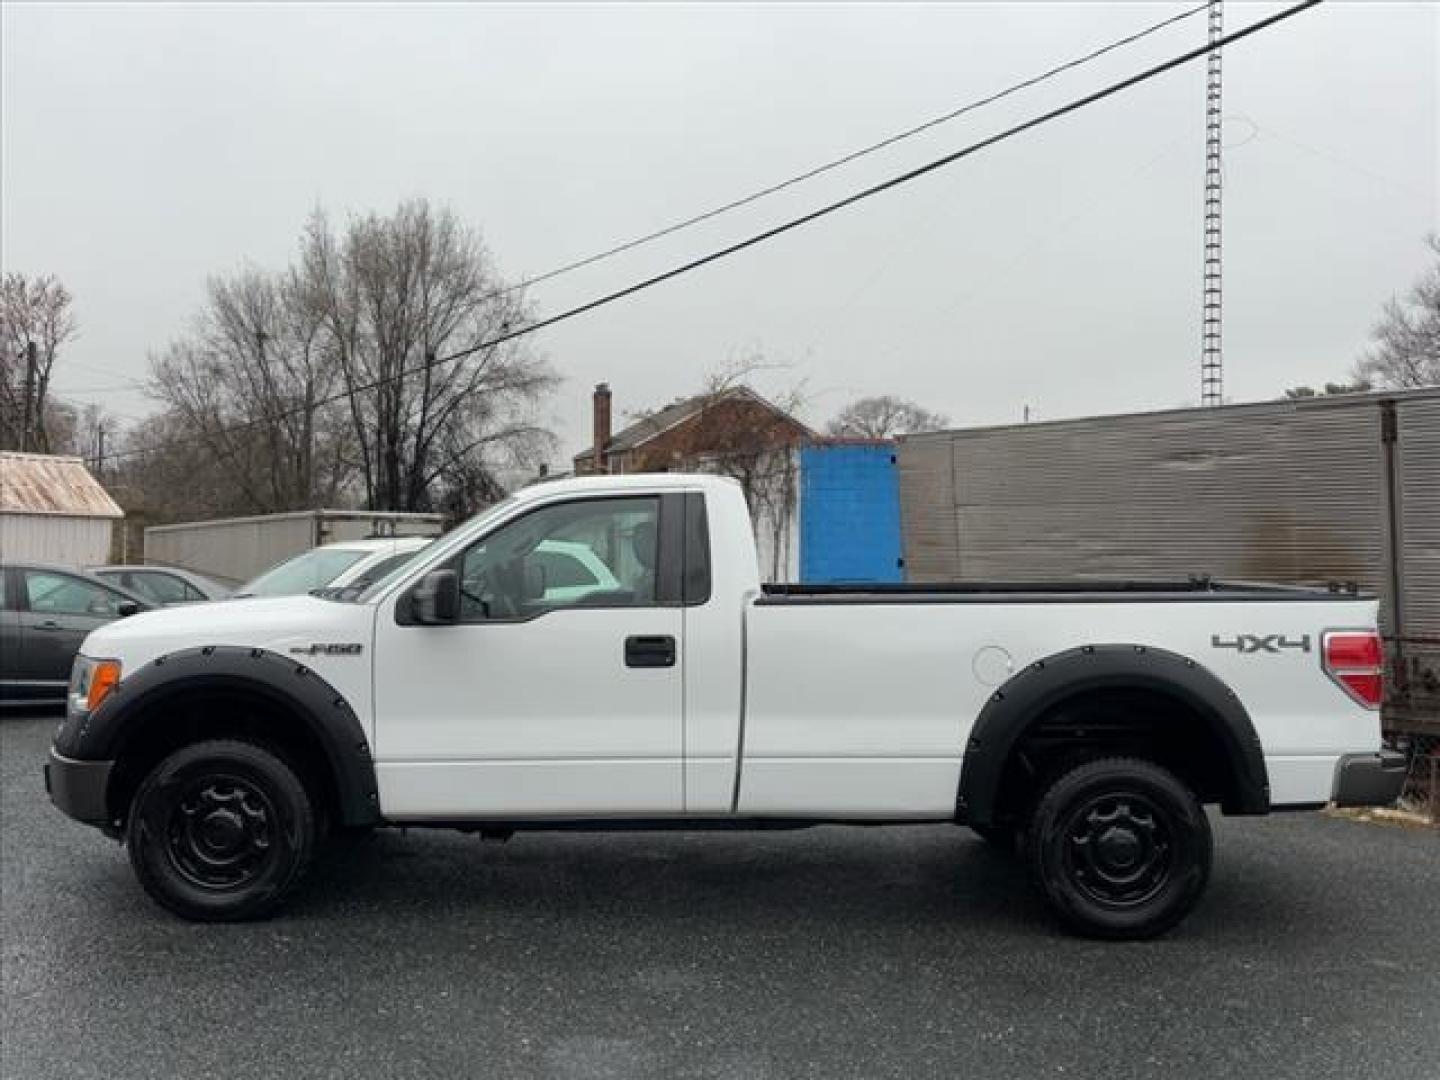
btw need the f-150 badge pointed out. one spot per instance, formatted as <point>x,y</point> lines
<point>1261,643</point>
<point>329,649</point>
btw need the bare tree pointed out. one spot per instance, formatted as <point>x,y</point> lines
<point>399,297</point>
<point>1406,341</point>
<point>249,385</point>
<point>36,319</point>
<point>884,417</point>
<point>163,472</point>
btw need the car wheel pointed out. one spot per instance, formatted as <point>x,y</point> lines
<point>220,831</point>
<point>1120,847</point>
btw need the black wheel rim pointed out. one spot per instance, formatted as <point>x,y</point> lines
<point>221,831</point>
<point>1119,849</point>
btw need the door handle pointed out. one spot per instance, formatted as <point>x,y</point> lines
<point>656,650</point>
<point>48,624</point>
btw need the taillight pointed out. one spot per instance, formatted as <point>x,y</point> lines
<point>1355,659</point>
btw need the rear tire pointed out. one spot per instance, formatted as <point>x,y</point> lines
<point>221,831</point>
<point>1120,848</point>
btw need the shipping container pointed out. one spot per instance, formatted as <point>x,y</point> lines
<point>233,550</point>
<point>1340,490</point>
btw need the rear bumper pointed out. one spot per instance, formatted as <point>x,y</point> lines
<point>1370,779</point>
<point>78,787</point>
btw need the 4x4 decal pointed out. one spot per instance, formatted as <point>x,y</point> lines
<point>1261,643</point>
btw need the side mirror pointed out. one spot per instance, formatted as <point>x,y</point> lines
<point>436,600</point>
<point>126,608</point>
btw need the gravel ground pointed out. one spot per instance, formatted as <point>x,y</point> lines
<point>832,952</point>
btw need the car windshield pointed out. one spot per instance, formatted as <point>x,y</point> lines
<point>312,570</point>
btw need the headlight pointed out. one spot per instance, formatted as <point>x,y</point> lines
<point>90,682</point>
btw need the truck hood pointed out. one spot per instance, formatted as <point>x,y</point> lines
<point>277,624</point>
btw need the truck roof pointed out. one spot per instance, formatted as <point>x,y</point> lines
<point>631,482</point>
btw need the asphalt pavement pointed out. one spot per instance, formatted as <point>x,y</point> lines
<point>828,953</point>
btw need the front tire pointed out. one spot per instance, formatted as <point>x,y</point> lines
<point>221,831</point>
<point>1121,849</point>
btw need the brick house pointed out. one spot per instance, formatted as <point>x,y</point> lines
<point>692,433</point>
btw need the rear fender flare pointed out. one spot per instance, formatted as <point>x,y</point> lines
<point>1031,693</point>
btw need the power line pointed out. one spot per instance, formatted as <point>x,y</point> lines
<point>846,159</point>
<point>885,185</point>
<point>778,230</point>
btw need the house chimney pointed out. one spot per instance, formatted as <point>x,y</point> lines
<point>600,462</point>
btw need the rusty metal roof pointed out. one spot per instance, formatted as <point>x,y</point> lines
<point>46,484</point>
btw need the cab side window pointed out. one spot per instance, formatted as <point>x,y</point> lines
<point>586,553</point>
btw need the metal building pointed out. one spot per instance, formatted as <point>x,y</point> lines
<point>1313,491</point>
<point>52,510</point>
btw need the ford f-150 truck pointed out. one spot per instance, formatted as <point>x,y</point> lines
<point>600,653</point>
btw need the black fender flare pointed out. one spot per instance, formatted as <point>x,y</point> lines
<point>1030,693</point>
<point>328,718</point>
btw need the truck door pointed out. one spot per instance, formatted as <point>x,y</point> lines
<point>559,690</point>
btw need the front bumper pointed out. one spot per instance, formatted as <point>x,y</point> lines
<point>79,787</point>
<point>1370,779</point>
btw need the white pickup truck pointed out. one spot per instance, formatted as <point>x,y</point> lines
<point>600,652</point>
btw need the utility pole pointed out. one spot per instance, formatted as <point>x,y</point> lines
<point>28,409</point>
<point>1212,375</point>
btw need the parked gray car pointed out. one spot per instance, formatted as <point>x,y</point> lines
<point>45,614</point>
<point>163,584</point>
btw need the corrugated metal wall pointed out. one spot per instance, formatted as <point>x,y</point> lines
<point>849,513</point>
<point>929,525</point>
<point>1273,492</point>
<point>57,539</point>
<point>1418,445</point>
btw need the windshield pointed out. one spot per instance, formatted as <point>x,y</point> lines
<point>311,570</point>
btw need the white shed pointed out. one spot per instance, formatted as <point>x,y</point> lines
<point>52,510</point>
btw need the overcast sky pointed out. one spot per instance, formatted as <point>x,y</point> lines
<point>145,147</point>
